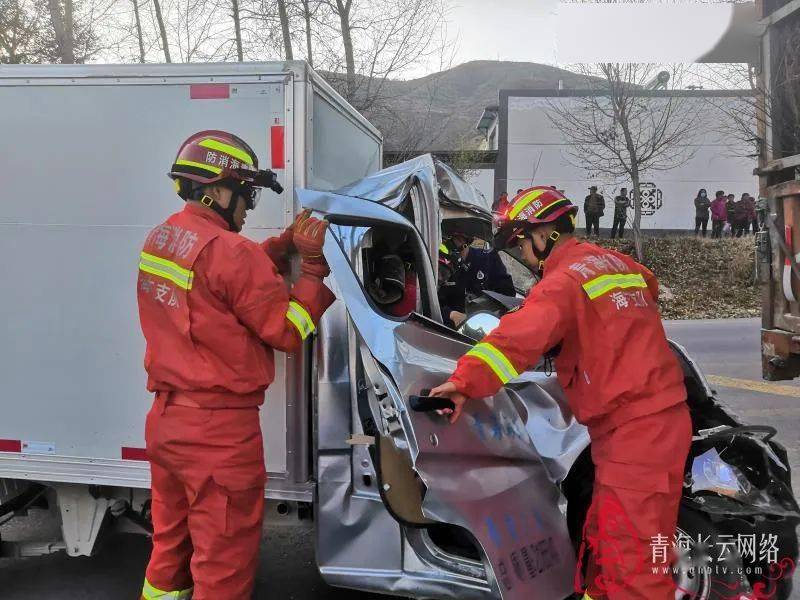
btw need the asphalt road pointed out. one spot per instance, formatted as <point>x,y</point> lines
<point>728,351</point>
<point>729,354</point>
<point>287,571</point>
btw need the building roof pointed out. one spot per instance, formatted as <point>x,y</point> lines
<point>488,117</point>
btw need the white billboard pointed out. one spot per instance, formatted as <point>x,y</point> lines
<point>536,153</point>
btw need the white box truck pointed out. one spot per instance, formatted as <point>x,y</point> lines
<point>85,153</point>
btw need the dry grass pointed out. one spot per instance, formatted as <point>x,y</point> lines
<point>708,279</point>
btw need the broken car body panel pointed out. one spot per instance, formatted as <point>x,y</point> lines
<point>482,474</point>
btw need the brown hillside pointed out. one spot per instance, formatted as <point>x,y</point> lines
<point>440,111</point>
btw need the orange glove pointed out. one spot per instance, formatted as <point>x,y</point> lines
<point>281,247</point>
<point>309,237</point>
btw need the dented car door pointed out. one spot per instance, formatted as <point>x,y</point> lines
<point>483,474</point>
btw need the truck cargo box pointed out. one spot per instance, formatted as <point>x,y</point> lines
<point>85,154</point>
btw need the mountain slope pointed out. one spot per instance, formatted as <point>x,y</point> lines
<point>440,111</point>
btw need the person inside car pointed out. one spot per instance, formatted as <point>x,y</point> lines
<point>474,270</point>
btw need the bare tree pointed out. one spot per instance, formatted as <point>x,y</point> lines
<point>19,26</point>
<point>307,19</point>
<point>342,9</point>
<point>620,129</point>
<point>162,30</point>
<point>739,117</point>
<point>200,32</point>
<point>73,31</point>
<point>139,35</point>
<point>414,120</point>
<point>61,16</point>
<point>285,30</point>
<point>237,25</point>
<point>782,96</point>
<point>381,40</point>
<point>130,33</point>
<point>464,158</point>
<point>763,107</point>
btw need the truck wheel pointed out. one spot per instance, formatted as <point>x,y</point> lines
<point>695,576</point>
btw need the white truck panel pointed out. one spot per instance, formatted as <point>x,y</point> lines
<point>85,154</point>
<point>91,181</point>
<point>336,135</point>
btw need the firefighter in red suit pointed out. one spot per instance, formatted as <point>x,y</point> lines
<point>620,377</point>
<point>213,309</point>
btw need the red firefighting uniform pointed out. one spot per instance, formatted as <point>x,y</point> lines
<point>212,307</point>
<point>621,380</point>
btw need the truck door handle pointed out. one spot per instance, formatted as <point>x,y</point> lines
<point>425,403</point>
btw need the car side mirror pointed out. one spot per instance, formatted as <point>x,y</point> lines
<point>479,325</point>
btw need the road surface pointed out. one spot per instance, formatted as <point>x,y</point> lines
<point>728,354</point>
<point>726,350</point>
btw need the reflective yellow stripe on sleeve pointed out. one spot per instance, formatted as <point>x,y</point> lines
<point>150,592</point>
<point>161,267</point>
<point>605,283</point>
<point>495,360</point>
<point>299,317</point>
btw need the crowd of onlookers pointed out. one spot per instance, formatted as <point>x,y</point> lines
<point>729,216</point>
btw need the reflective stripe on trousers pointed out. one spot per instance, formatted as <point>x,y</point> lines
<point>150,592</point>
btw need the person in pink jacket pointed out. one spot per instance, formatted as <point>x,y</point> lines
<point>719,214</point>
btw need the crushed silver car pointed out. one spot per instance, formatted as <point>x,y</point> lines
<point>493,506</point>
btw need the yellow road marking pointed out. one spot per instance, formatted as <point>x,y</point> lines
<point>790,413</point>
<point>763,387</point>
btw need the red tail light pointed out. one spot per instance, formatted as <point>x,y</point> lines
<point>277,147</point>
<point>133,453</point>
<point>210,91</point>
<point>10,445</point>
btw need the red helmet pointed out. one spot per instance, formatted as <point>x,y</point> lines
<point>530,207</point>
<point>211,156</point>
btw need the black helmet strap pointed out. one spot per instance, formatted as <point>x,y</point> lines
<point>226,213</point>
<point>548,248</point>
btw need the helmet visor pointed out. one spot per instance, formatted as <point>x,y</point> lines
<point>508,237</point>
<point>250,194</point>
